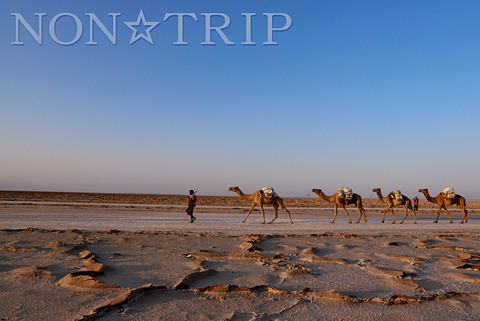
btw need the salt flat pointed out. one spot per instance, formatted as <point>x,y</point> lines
<point>115,263</point>
<point>315,221</point>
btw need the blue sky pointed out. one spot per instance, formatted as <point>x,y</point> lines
<point>361,94</point>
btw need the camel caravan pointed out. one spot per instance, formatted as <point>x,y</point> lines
<point>345,196</point>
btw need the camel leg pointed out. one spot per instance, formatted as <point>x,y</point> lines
<point>465,212</point>
<point>249,211</point>
<point>349,220</point>
<point>406,214</point>
<point>385,212</point>
<point>288,212</point>
<point>414,216</point>
<point>361,210</point>
<point>285,209</point>
<point>263,213</point>
<point>408,206</point>
<point>393,215</point>
<point>438,215</point>
<point>334,213</point>
<point>451,221</point>
<point>275,208</point>
<point>360,217</point>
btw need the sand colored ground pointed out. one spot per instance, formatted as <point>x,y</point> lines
<point>69,262</point>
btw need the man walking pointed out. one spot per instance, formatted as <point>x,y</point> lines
<point>415,203</point>
<point>192,202</point>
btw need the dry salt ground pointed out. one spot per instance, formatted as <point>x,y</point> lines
<point>60,263</point>
<point>224,223</point>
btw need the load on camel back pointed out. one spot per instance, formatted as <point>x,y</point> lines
<point>345,193</point>
<point>448,192</point>
<point>268,192</point>
<point>398,195</point>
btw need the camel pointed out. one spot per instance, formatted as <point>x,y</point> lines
<point>392,202</point>
<point>443,202</point>
<point>337,200</point>
<point>257,198</point>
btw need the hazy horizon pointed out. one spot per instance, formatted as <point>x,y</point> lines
<point>310,194</point>
<point>361,94</point>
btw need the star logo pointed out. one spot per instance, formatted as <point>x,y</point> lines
<point>141,21</point>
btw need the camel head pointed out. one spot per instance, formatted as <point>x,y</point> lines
<point>376,190</point>
<point>233,189</point>
<point>317,191</point>
<point>423,190</point>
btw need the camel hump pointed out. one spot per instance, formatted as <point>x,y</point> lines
<point>398,195</point>
<point>268,192</point>
<point>448,192</point>
<point>345,193</point>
